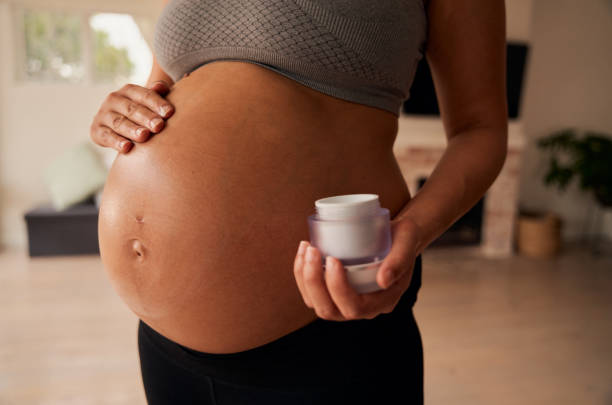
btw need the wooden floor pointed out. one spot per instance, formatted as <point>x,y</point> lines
<point>514,331</point>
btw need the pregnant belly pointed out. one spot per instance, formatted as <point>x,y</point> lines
<point>199,226</point>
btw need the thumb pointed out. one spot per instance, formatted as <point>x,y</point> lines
<point>160,86</point>
<point>404,235</point>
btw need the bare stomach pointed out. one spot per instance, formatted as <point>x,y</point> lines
<point>199,226</point>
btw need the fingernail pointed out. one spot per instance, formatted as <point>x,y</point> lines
<point>140,132</point>
<point>164,110</point>
<point>155,122</point>
<point>328,262</point>
<point>310,251</point>
<point>125,146</point>
<point>302,247</point>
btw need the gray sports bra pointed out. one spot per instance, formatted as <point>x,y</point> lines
<point>364,51</point>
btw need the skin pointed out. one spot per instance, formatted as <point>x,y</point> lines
<point>188,231</point>
<point>466,51</point>
<point>131,114</point>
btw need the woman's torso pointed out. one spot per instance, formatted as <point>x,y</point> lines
<point>199,226</point>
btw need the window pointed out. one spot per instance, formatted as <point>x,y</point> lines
<point>53,47</point>
<point>120,53</point>
<point>82,48</point>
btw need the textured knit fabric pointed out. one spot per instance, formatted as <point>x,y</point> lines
<point>362,51</point>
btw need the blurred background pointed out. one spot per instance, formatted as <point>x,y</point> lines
<point>516,299</point>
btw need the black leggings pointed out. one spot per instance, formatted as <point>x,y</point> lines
<point>366,361</point>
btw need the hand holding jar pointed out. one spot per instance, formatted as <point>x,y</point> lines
<point>368,260</point>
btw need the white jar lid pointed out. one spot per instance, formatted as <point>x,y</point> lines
<point>347,206</point>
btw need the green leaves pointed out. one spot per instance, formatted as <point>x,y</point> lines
<point>110,61</point>
<point>55,49</point>
<point>53,45</point>
<point>587,156</point>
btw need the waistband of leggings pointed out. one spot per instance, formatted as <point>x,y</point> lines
<point>320,353</point>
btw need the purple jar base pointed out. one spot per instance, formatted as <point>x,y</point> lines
<point>362,277</point>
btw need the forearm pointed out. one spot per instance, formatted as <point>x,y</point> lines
<point>469,165</point>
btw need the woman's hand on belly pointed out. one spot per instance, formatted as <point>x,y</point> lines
<point>131,113</point>
<point>329,292</point>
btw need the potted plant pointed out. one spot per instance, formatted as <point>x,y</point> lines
<point>586,156</point>
<point>589,158</point>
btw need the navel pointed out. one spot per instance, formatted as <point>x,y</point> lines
<point>138,250</point>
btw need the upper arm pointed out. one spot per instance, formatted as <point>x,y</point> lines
<point>466,51</point>
<point>157,73</point>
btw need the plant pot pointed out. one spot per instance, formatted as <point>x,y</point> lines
<point>539,234</point>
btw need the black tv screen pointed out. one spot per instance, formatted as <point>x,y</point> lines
<point>423,99</point>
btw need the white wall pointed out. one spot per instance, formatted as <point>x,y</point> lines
<point>518,20</point>
<point>569,83</point>
<point>38,121</point>
<point>3,67</point>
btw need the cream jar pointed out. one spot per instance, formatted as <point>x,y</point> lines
<point>355,229</point>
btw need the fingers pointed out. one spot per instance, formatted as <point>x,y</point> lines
<point>330,294</point>
<point>385,300</point>
<point>314,284</point>
<point>143,106</point>
<point>148,98</point>
<point>137,113</point>
<point>161,87</point>
<point>104,136</point>
<point>353,305</point>
<point>125,127</point>
<point>298,272</point>
<point>131,114</point>
<point>348,301</point>
<point>402,255</point>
